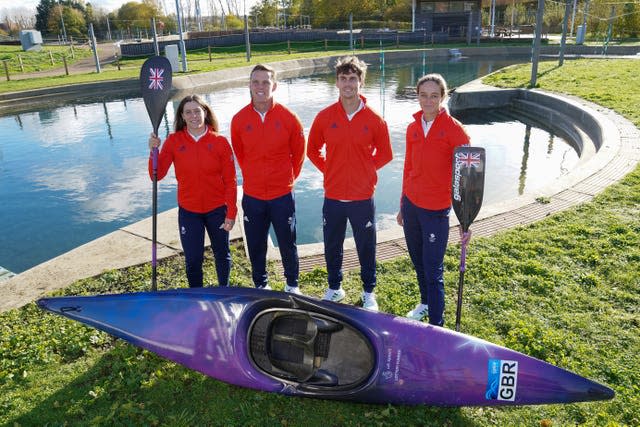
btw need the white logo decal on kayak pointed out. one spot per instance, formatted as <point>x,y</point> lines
<point>502,380</point>
<point>392,366</point>
<point>396,375</point>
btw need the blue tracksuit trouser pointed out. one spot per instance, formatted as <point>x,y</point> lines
<point>361,216</point>
<point>259,215</point>
<point>192,227</point>
<point>427,233</point>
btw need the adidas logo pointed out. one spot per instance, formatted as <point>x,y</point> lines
<point>245,218</point>
<point>368,225</point>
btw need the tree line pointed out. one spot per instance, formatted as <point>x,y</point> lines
<point>70,19</point>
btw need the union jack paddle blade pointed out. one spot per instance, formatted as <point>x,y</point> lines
<point>155,83</point>
<point>467,183</point>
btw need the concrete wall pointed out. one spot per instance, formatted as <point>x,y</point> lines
<point>568,119</point>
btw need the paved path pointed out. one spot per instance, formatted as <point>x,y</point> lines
<point>619,155</point>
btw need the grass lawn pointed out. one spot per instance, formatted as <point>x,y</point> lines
<point>49,57</point>
<point>565,290</point>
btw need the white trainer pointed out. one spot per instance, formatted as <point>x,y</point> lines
<point>420,312</point>
<point>292,290</point>
<point>336,295</point>
<point>369,301</point>
<point>265,287</point>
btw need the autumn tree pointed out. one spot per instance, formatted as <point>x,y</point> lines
<point>134,14</point>
<point>67,21</point>
<point>630,20</point>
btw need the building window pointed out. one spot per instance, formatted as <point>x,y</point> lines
<point>446,6</point>
<point>426,7</point>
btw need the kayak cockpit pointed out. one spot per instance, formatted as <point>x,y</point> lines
<point>310,349</point>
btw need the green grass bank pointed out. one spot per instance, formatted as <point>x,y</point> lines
<point>565,290</point>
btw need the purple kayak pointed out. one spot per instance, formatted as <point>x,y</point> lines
<point>300,346</point>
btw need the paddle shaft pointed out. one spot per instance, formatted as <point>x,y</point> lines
<point>463,258</point>
<point>154,221</point>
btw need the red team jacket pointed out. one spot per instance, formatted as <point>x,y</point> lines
<point>428,161</point>
<point>355,150</point>
<point>270,154</point>
<point>204,169</point>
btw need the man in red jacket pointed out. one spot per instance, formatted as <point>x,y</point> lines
<point>355,140</point>
<point>269,144</point>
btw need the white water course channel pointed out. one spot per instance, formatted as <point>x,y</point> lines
<point>72,173</point>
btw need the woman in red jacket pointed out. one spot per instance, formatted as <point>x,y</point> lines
<point>206,175</point>
<point>426,193</point>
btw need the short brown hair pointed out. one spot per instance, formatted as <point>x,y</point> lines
<point>351,64</point>
<point>264,67</point>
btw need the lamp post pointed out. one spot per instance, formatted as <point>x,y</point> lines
<point>247,40</point>
<point>183,50</point>
<point>64,30</point>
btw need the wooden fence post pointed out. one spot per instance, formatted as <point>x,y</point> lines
<point>6,68</point>
<point>325,44</point>
<point>21,64</point>
<point>66,69</point>
<point>209,50</point>
<point>51,57</point>
<point>289,46</point>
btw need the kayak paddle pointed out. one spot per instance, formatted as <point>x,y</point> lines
<point>467,192</point>
<point>155,82</point>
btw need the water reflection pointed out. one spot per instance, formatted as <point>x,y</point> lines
<point>537,161</point>
<point>72,173</point>
<point>525,157</point>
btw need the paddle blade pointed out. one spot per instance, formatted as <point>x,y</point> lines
<point>155,82</point>
<point>468,183</point>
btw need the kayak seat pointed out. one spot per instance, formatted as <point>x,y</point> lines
<point>324,378</point>
<point>315,351</point>
<point>298,344</point>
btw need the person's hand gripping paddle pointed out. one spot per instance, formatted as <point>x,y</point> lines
<point>467,192</point>
<point>155,82</point>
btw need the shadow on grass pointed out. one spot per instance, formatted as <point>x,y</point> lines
<point>130,386</point>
